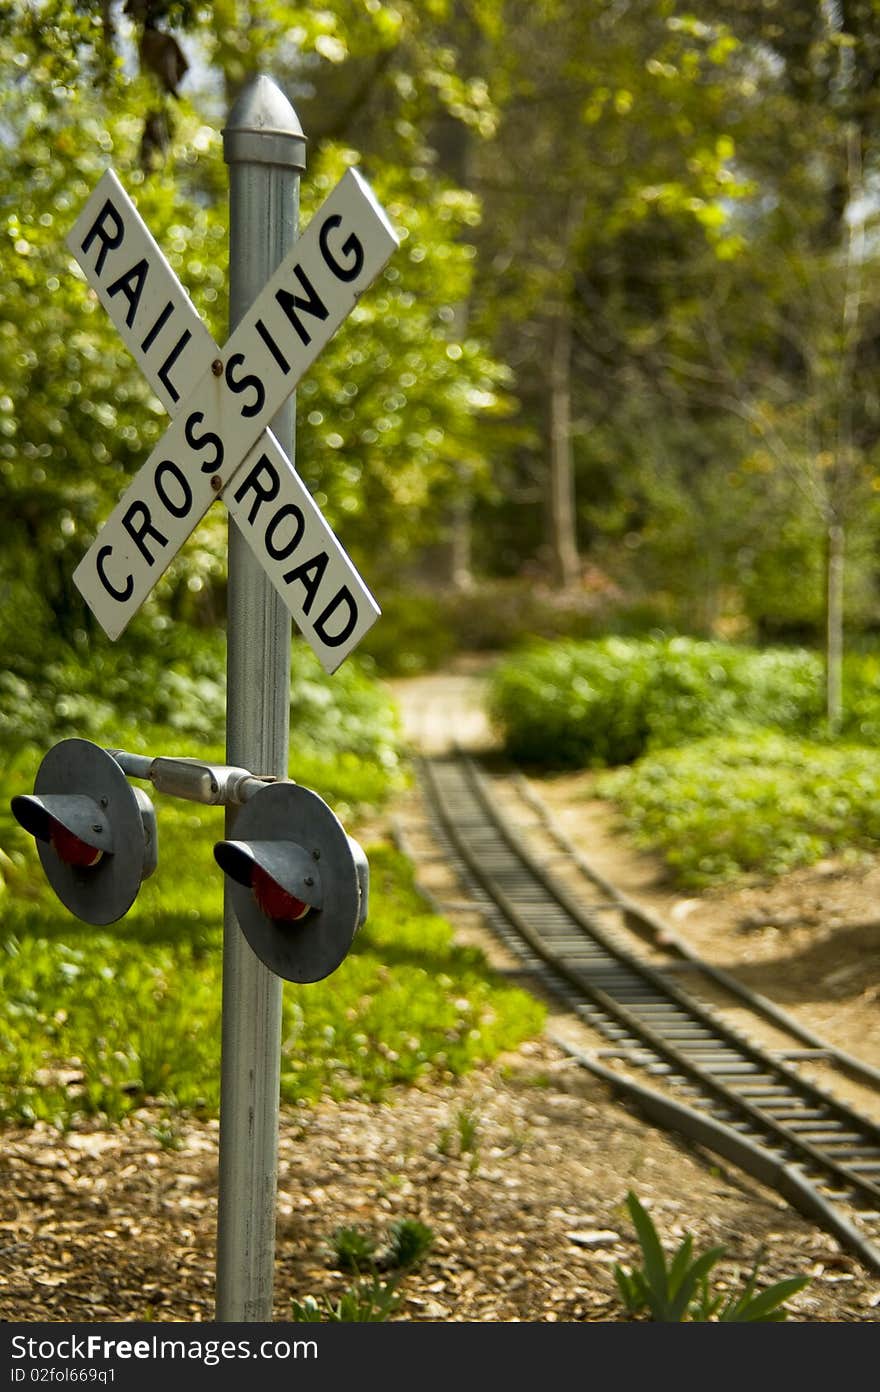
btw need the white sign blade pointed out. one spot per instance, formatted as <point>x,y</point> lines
<point>290,537</point>
<point>155,316</point>
<point>163,504</point>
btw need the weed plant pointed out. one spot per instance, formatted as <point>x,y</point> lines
<point>353,1249</point>
<point>371,1297</point>
<point>671,1291</point>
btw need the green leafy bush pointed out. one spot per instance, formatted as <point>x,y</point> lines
<point>724,807</point>
<point>177,679</point>
<point>606,702</point>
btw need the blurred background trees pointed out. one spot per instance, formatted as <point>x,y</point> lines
<point>625,358</point>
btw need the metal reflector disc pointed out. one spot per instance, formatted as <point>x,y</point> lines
<point>103,892</point>
<point>314,946</point>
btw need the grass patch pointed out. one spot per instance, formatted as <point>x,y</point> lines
<point>99,1022</point>
<point>728,807</point>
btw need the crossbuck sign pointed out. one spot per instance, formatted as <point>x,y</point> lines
<point>221,403</point>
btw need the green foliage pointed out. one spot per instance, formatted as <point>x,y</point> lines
<point>607,702</point>
<point>699,226</point>
<point>370,1297</point>
<point>367,1301</point>
<point>353,1249</point>
<point>174,676</point>
<point>725,807</point>
<point>389,419</point>
<point>675,1290</point>
<point>412,636</point>
<point>422,628</point>
<point>409,1244</point>
<point>666,1290</point>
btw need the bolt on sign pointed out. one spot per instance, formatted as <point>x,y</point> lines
<point>221,402</point>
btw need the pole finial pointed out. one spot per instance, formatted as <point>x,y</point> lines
<point>263,127</point>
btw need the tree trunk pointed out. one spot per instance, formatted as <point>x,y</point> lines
<point>834,573</point>
<point>561,517</point>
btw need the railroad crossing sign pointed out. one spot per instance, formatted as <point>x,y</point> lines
<point>221,403</point>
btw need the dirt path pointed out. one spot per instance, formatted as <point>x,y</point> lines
<point>443,709</point>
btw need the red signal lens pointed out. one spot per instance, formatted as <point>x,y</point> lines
<point>70,849</point>
<point>274,901</point>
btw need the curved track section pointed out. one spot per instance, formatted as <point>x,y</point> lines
<point>714,1083</point>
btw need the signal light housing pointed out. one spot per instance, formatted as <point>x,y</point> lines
<point>96,835</point>
<point>299,885</point>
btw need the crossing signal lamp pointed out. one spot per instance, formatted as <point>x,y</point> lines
<point>299,884</point>
<point>96,835</point>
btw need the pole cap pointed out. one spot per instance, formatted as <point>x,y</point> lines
<point>263,128</point>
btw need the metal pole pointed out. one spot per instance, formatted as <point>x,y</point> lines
<point>264,146</point>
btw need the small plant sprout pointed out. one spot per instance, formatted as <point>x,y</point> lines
<point>352,1249</point>
<point>367,1301</point>
<point>409,1243</point>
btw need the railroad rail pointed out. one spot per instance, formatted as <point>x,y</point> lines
<point>719,1086</point>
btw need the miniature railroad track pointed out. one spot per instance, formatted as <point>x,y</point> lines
<point>712,1082</point>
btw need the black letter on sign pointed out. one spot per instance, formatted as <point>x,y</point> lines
<point>168,467</point>
<point>121,595</point>
<point>109,241</point>
<point>261,494</point>
<point>160,322</point>
<point>318,564</point>
<point>170,361</point>
<point>209,438</point>
<point>291,303</point>
<point>280,553</point>
<point>241,384</point>
<point>351,247</point>
<point>272,346</point>
<point>132,292</point>
<point>343,596</point>
<point>146,529</point>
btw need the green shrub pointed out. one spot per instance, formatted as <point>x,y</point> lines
<point>412,635</point>
<point>725,807</point>
<point>178,681</point>
<point>861,698</point>
<point>606,702</point>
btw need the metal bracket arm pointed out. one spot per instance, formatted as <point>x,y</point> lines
<point>215,785</point>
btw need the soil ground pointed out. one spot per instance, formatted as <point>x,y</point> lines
<point>520,1170</point>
